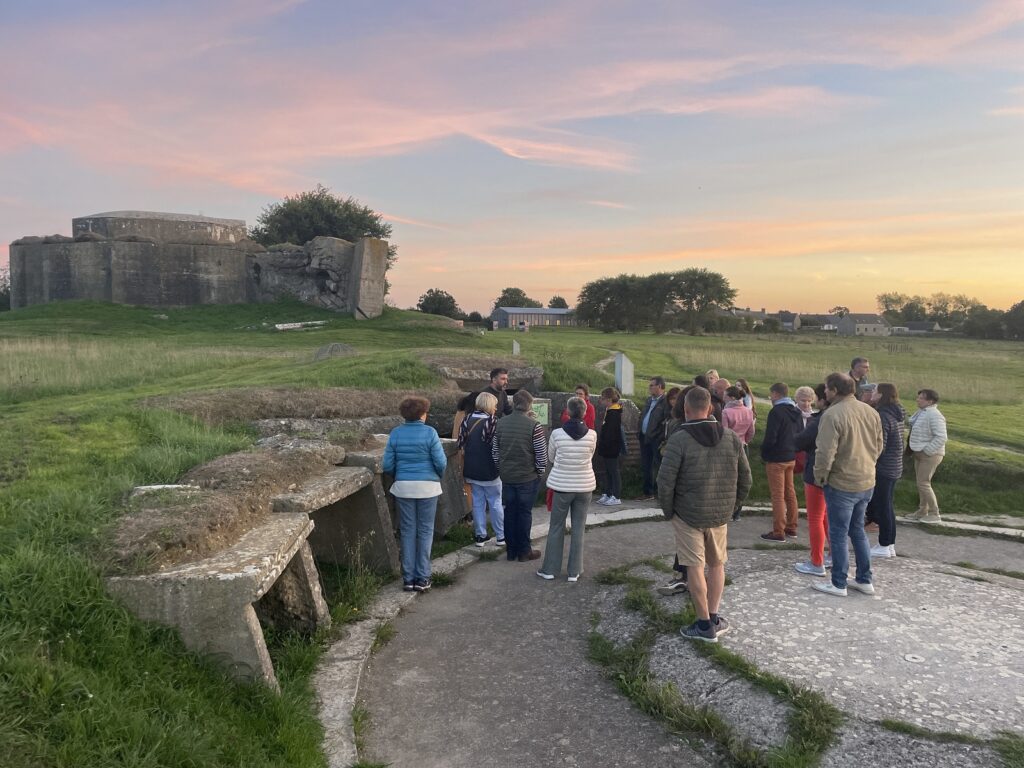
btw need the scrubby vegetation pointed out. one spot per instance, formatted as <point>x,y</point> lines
<point>90,398</point>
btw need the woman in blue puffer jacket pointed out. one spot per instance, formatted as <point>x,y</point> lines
<point>415,458</point>
<point>888,469</point>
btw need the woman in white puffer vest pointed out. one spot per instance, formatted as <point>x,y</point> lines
<point>570,452</point>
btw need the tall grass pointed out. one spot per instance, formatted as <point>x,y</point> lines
<point>774,363</point>
<point>32,368</point>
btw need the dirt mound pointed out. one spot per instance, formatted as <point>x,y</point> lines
<point>252,404</point>
<point>230,496</point>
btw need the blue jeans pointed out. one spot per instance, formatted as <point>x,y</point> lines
<point>846,518</point>
<point>518,499</point>
<point>484,497</point>
<point>416,526</point>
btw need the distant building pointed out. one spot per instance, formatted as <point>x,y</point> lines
<point>818,322</point>
<point>756,318</point>
<point>856,324</point>
<point>511,317</point>
<point>790,321</point>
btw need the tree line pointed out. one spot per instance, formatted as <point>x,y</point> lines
<point>686,299</point>
<point>960,313</point>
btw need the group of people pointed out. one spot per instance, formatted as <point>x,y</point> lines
<point>845,435</point>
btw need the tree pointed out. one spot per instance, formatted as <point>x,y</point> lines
<point>438,302</point>
<point>839,311</point>
<point>698,293</point>
<point>514,297</point>
<point>318,213</point>
<point>475,317</point>
<point>557,302</point>
<point>984,323</point>
<point>5,289</point>
<point>771,325</point>
<point>632,302</point>
<point>1014,320</point>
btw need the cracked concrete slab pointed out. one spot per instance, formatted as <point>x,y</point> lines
<point>918,651</point>
<point>752,713</point>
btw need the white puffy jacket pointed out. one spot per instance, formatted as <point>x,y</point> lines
<point>571,470</point>
<point>928,431</point>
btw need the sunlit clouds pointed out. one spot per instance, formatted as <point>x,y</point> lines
<point>543,145</point>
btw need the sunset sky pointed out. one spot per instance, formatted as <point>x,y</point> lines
<point>814,153</point>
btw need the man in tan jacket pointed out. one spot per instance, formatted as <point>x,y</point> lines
<point>849,443</point>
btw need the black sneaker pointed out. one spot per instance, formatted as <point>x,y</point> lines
<point>408,586</point>
<point>481,540</point>
<point>421,585</point>
<point>721,625</point>
<point>694,632</point>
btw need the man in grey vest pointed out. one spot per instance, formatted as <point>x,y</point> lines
<point>520,450</point>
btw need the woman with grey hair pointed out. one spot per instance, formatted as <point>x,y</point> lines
<point>570,451</point>
<point>480,471</point>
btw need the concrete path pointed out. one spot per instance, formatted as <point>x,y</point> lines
<point>494,669</point>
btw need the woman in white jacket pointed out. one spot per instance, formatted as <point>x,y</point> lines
<point>571,452</point>
<point>928,444</point>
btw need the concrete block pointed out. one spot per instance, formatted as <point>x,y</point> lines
<point>366,286</point>
<point>451,506</point>
<point>353,523</point>
<point>211,602</point>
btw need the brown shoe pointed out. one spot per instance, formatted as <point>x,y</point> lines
<point>777,538</point>
<point>534,554</point>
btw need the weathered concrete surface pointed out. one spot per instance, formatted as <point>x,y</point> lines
<point>169,260</point>
<point>328,428</point>
<point>505,651</point>
<point>211,602</point>
<point>904,654</point>
<point>163,227</point>
<point>506,654</point>
<point>867,744</point>
<point>452,506</point>
<point>353,523</point>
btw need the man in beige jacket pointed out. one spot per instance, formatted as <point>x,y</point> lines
<point>849,443</point>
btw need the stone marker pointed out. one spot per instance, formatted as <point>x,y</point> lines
<point>515,349</point>
<point>623,374</point>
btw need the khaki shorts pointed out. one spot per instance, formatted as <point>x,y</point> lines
<point>700,546</point>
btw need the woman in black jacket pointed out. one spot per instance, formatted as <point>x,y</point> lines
<point>611,447</point>
<point>888,469</point>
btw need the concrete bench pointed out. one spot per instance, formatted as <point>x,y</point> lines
<point>217,603</point>
<point>350,511</point>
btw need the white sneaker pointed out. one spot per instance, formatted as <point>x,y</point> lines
<point>545,576</point>
<point>883,551</point>
<point>829,588</point>
<point>603,499</point>
<point>613,502</point>
<point>867,589</point>
<point>573,579</point>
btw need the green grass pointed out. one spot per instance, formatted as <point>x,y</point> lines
<point>385,634</point>
<point>998,571</point>
<point>83,683</point>
<point>1010,747</point>
<point>812,726</point>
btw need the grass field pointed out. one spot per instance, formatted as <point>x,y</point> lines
<point>83,684</point>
